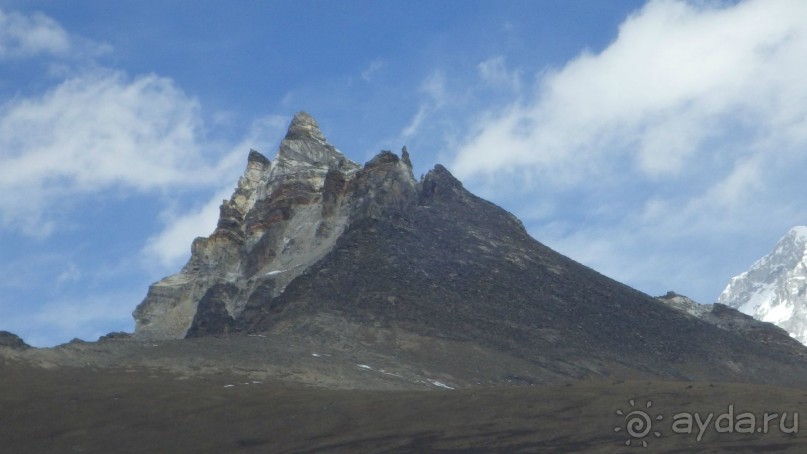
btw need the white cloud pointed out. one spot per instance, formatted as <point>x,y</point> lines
<point>677,75</point>
<point>27,36</point>
<point>93,133</point>
<point>172,245</point>
<point>37,35</point>
<point>687,130</point>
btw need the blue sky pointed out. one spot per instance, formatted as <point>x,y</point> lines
<point>662,143</point>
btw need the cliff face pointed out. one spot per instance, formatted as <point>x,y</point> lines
<point>283,216</point>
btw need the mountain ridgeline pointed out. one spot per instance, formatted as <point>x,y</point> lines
<point>312,245</point>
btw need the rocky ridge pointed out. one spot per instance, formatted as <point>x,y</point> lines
<point>732,320</point>
<point>11,340</point>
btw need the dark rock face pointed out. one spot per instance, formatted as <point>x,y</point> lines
<point>115,336</point>
<point>444,263</point>
<point>11,340</point>
<point>211,313</point>
<point>317,239</point>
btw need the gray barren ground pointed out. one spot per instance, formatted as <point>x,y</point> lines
<point>84,409</point>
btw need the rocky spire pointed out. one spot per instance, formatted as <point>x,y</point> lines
<point>405,157</point>
<point>304,126</point>
<point>306,147</point>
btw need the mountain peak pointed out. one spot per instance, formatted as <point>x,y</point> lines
<point>774,289</point>
<point>304,126</point>
<point>305,147</point>
<point>798,233</point>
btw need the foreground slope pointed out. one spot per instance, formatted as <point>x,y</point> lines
<point>141,410</point>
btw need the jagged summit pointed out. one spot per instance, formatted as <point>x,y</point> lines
<point>283,216</point>
<point>317,248</point>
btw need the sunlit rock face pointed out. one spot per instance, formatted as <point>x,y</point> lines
<point>774,289</point>
<point>283,216</point>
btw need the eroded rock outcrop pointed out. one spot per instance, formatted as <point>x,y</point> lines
<point>283,216</point>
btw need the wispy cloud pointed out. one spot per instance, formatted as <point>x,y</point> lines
<point>26,36</point>
<point>32,35</point>
<point>72,273</point>
<point>94,133</point>
<point>495,72</point>
<point>172,245</point>
<point>369,72</point>
<point>435,95</point>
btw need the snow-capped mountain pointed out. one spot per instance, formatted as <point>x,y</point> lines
<point>775,288</point>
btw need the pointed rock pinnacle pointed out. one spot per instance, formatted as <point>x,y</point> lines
<point>303,126</point>
<point>305,146</point>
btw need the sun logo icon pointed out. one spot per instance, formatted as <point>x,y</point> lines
<point>638,423</point>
